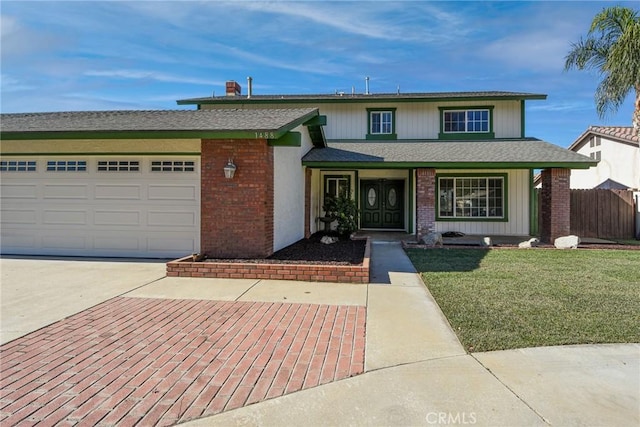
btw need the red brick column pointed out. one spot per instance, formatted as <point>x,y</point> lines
<point>425,201</point>
<point>237,214</point>
<point>307,203</point>
<point>555,203</point>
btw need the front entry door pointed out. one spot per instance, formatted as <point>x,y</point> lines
<point>382,204</point>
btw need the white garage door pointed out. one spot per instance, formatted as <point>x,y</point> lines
<point>100,206</point>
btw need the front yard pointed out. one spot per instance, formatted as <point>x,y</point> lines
<point>509,298</point>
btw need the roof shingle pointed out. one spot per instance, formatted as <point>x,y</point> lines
<point>528,151</point>
<point>270,119</point>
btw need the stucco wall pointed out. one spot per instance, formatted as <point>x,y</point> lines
<point>289,192</point>
<point>619,162</point>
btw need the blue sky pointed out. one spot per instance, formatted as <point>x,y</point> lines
<point>92,55</point>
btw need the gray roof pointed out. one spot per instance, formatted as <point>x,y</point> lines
<point>154,121</point>
<point>360,97</point>
<point>528,153</point>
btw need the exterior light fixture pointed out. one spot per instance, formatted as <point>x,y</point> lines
<point>229,170</point>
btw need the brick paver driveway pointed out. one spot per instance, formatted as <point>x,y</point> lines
<point>160,362</point>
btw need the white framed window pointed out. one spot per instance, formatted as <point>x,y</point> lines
<point>472,197</point>
<point>173,166</point>
<point>18,165</point>
<point>466,121</point>
<point>66,166</point>
<point>381,122</point>
<point>118,166</point>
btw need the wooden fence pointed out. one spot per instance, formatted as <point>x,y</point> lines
<point>604,214</point>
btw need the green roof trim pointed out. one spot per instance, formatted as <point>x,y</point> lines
<point>444,165</point>
<point>289,139</point>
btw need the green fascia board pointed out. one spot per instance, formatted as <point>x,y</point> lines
<point>448,165</point>
<point>465,136</point>
<point>319,120</point>
<point>289,139</point>
<point>355,100</point>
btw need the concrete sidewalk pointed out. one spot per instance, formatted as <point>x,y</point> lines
<point>416,371</point>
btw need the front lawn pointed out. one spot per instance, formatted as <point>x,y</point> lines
<point>510,298</point>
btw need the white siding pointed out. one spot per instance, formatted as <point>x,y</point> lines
<point>518,207</point>
<point>288,192</point>
<point>415,120</point>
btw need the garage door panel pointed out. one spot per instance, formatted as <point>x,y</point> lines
<point>19,216</point>
<point>172,192</point>
<point>97,213</point>
<point>64,217</point>
<point>172,240</point>
<point>163,218</point>
<point>23,242</point>
<point>65,191</point>
<point>55,241</point>
<point>117,242</point>
<point>113,217</point>
<point>119,192</point>
<point>19,191</point>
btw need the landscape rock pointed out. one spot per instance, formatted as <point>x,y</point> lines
<point>531,243</point>
<point>486,241</point>
<point>567,242</point>
<point>432,239</point>
<point>327,240</point>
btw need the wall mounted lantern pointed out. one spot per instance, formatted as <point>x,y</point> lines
<point>229,170</point>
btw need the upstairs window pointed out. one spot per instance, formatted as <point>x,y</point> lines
<point>466,123</point>
<point>381,123</point>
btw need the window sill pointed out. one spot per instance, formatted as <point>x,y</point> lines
<point>466,136</point>
<point>381,136</point>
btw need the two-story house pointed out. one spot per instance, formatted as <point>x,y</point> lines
<point>246,175</point>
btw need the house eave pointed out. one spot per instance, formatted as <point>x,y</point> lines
<point>447,165</point>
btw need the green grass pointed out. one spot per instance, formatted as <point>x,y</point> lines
<point>505,299</point>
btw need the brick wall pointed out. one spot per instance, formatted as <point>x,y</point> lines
<point>555,204</point>
<point>185,267</point>
<point>425,201</point>
<point>237,214</point>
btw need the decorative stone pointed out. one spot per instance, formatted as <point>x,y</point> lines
<point>486,241</point>
<point>432,239</point>
<point>531,243</point>
<point>327,240</point>
<point>567,242</point>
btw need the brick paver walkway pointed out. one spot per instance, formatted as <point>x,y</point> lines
<point>159,362</point>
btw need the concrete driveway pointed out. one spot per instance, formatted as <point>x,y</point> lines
<point>39,291</point>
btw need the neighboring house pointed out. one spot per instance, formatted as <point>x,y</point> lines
<point>152,184</point>
<point>617,151</point>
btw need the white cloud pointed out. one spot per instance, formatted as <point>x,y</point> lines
<point>148,75</point>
